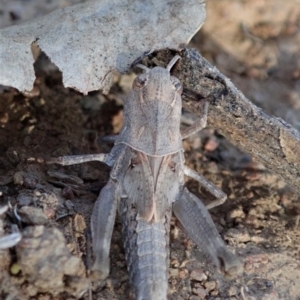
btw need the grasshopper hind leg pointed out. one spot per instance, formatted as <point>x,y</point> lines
<point>198,225</point>
<point>102,224</point>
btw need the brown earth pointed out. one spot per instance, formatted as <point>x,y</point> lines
<point>256,44</point>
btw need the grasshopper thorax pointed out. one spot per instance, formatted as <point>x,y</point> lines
<point>152,113</point>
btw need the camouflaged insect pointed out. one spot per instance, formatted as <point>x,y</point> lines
<point>147,183</point>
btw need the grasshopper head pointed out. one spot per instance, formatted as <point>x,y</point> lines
<point>155,75</point>
<point>159,93</point>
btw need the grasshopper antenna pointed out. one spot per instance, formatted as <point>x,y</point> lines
<point>143,67</point>
<point>172,62</point>
<point>169,66</point>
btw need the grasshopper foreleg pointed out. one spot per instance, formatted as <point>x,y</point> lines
<point>77,159</point>
<point>107,158</point>
<point>198,125</point>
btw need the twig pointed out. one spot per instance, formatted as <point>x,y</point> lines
<point>268,139</point>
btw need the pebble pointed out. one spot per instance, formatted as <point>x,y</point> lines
<point>196,142</point>
<point>241,236</point>
<point>173,272</point>
<point>210,285</point>
<point>253,221</point>
<point>18,178</point>
<point>183,273</point>
<point>174,282</point>
<point>200,292</point>
<point>70,206</point>
<point>175,263</point>
<point>232,291</point>
<point>198,275</point>
<point>49,212</point>
<point>211,145</point>
<point>67,193</point>
<point>194,298</point>
<point>235,213</point>
<point>29,182</point>
<point>214,293</point>
<point>37,193</point>
<point>33,215</point>
<point>213,168</point>
<point>15,269</point>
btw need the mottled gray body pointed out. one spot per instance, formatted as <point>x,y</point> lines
<point>146,221</point>
<point>147,183</point>
<point>147,253</point>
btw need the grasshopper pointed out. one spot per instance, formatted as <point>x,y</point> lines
<point>147,183</point>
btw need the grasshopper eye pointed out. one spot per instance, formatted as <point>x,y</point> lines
<point>177,86</point>
<point>140,81</point>
<point>176,83</point>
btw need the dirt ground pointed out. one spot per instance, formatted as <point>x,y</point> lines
<point>256,43</point>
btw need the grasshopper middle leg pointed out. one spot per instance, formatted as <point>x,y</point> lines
<point>220,195</point>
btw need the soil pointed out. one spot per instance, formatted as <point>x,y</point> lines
<point>256,44</point>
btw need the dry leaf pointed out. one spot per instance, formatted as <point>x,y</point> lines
<point>87,41</point>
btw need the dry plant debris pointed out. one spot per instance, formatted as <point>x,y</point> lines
<point>88,41</point>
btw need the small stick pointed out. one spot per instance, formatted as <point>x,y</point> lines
<point>270,140</point>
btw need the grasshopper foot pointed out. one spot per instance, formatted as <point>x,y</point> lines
<point>99,270</point>
<point>231,266</point>
<point>39,160</point>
